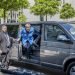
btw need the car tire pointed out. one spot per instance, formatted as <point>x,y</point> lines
<point>71,69</point>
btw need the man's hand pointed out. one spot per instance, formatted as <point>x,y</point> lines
<point>14,39</point>
<point>18,39</point>
<point>0,51</point>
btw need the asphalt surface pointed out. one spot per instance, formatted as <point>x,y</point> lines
<point>14,53</point>
<point>51,73</point>
<point>3,74</point>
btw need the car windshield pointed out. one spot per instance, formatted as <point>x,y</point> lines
<point>70,27</point>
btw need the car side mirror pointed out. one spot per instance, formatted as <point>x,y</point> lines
<point>63,38</point>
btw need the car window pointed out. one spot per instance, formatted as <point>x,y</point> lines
<point>71,28</point>
<point>52,31</point>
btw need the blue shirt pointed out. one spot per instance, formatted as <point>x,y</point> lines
<point>26,36</point>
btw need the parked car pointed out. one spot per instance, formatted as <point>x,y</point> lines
<point>56,46</point>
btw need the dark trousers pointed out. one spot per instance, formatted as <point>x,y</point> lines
<point>27,51</point>
<point>5,59</point>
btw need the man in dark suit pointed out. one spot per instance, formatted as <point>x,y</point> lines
<point>5,45</point>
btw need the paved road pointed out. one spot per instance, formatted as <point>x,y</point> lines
<point>52,73</point>
<point>14,54</point>
<point>3,74</point>
<point>31,72</point>
<point>40,74</point>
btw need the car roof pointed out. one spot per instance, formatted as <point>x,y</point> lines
<point>37,22</point>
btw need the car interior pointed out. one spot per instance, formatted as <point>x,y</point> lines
<point>52,32</point>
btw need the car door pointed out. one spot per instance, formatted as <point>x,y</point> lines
<point>36,52</point>
<point>53,51</point>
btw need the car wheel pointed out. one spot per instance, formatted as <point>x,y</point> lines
<point>71,69</point>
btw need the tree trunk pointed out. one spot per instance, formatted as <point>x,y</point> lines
<point>46,17</point>
<point>11,15</point>
<point>4,15</point>
<point>41,18</point>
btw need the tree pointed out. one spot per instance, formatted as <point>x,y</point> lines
<point>38,8</point>
<point>23,4</point>
<point>4,7</point>
<point>9,5</point>
<point>52,7</point>
<point>1,13</point>
<point>18,5</point>
<point>63,1</point>
<point>45,7</point>
<point>67,11</point>
<point>22,18</point>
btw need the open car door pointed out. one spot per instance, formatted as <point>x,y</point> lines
<point>35,57</point>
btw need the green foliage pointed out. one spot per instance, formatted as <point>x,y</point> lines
<point>9,5</point>
<point>67,11</point>
<point>23,4</point>
<point>1,13</point>
<point>44,7</point>
<point>13,4</point>
<point>22,18</point>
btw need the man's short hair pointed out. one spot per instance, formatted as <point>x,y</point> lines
<point>27,24</point>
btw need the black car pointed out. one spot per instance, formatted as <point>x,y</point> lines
<point>56,46</point>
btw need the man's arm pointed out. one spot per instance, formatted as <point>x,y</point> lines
<point>36,36</point>
<point>12,39</point>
